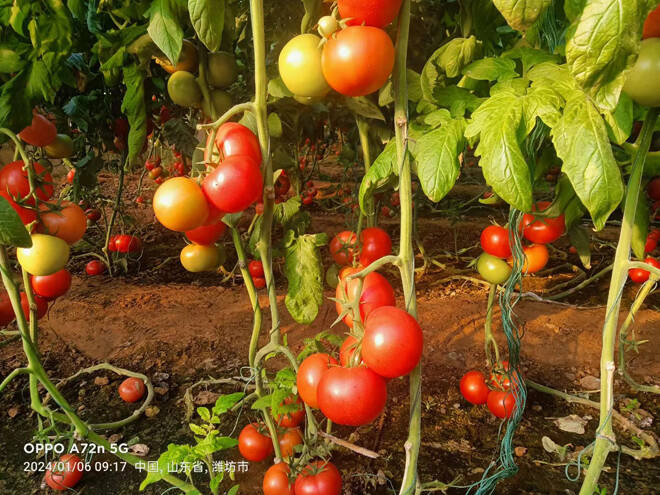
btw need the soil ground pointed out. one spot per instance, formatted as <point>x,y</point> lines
<point>178,328</point>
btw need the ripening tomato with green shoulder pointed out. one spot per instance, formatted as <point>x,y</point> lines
<point>643,79</point>
<point>41,132</point>
<point>197,258</point>
<point>358,60</point>
<point>180,205</point>
<point>300,66</point>
<point>61,147</point>
<point>377,13</point>
<point>47,255</point>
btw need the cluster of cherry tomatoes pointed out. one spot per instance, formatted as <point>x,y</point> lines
<point>233,184</point>
<point>177,168</point>
<point>498,393</point>
<point>494,265</point>
<point>355,56</point>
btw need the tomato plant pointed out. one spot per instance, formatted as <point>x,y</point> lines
<point>253,445</point>
<point>132,389</point>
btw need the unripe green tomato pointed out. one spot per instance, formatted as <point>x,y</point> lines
<point>492,269</point>
<point>332,276</point>
<point>48,254</point>
<point>328,25</point>
<point>643,81</point>
<point>223,70</point>
<point>221,102</point>
<point>195,258</point>
<point>62,147</point>
<point>300,66</point>
<point>183,89</point>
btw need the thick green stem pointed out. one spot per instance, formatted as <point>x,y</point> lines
<point>623,338</point>
<point>605,438</point>
<point>410,483</point>
<point>363,131</point>
<point>489,339</point>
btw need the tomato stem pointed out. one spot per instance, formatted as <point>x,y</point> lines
<point>489,339</point>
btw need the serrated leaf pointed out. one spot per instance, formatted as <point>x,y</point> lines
<point>10,60</point>
<point>437,155</point>
<point>262,403</point>
<point>437,117</point>
<point>603,44</point>
<point>197,430</point>
<point>175,454</point>
<point>204,413</point>
<point>304,272</point>
<point>555,77</point>
<point>165,29</point>
<point>580,138</point>
<point>491,69</point>
<point>134,107</point>
<point>521,14</point>
<point>208,19</point>
<point>225,402</point>
<point>543,103</point>
<point>12,230</point>
<point>498,123</point>
<point>382,172</point>
<point>454,55</point>
<point>216,479</point>
<point>364,107</point>
<point>530,57</point>
<point>284,212</point>
<point>234,490</point>
<point>457,100</point>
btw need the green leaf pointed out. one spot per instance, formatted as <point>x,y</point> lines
<point>457,100</point>
<point>10,60</point>
<point>274,125</point>
<point>304,272</point>
<point>175,454</point>
<point>498,124</point>
<point>197,430</point>
<point>225,402</point>
<point>364,107</point>
<point>285,211</point>
<point>543,103</point>
<point>641,226</point>
<point>573,8</point>
<point>579,238</point>
<point>437,117</point>
<point>454,55</point>
<point>214,484</point>
<point>165,29</point>
<point>12,230</point>
<point>40,83</point>
<point>15,103</point>
<point>530,56</point>
<point>312,13</point>
<point>437,154</point>
<point>521,14</point>
<point>555,77</point>
<point>134,107</point>
<point>604,43</point>
<point>262,403</point>
<point>208,19</point>
<point>620,121</point>
<point>491,69</point>
<point>580,138</point>
<point>204,413</point>
<point>233,490</point>
<point>277,88</point>
<point>382,172</point>
<point>386,93</point>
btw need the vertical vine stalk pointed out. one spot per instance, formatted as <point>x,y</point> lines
<point>363,131</point>
<point>115,210</point>
<point>492,349</point>
<point>605,439</point>
<point>410,483</point>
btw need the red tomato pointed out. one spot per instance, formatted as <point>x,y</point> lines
<point>276,480</point>
<point>51,286</point>
<point>495,241</point>
<point>473,387</point>
<point>352,396</point>
<point>536,257</point>
<point>376,243</point>
<point>377,13</point>
<point>288,441</point>
<point>25,214</point>
<point>253,445</point>
<point>65,220</point>
<point>132,389</point>
<point>256,269</point>
<point>234,184</point>
<point>112,243</point>
<point>6,310</point>
<point>347,350</point>
<point>93,215</point>
<point>651,244</point>
<point>653,189</point>
<point>544,230</point>
<point>376,292</point>
<point>259,282</point>
<point>14,180</point>
<point>41,132</point>
<point>318,478</point>
<point>308,200</point>
<point>282,185</point>
<point>639,275</point>
<point>71,175</point>
<point>94,267</point>
<point>156,172</point>
<point>358,60</point>
<point>128,244</point>
<point>392,343</point>
<point>42,306</point>
<point>234,139</point>
<point>502,403</point>
<point>207,234</point>
<point>293,418</point>
<point>652,27</point>
<point>310,372</point>
<point>342,247</point>
<point>66,472</point>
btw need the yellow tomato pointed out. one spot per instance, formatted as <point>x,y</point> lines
<point>180,205</point>
<point>300,66</point>
<point>196,258</point>
<point>48,254</point>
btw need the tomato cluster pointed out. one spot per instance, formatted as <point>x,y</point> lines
<point>494,264</point>
<point>374,244</point>
<point>497,393</point>
<point>355,56</point>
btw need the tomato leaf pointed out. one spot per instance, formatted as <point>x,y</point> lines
<point>175,454</point>
<point>521,14</point>
<point>620,121</point>
<point>12,230</point>
<point>573,8</point>
<point>233,490</point>
<point>491,69</point>
<point>225,402</point>
<point>413,79</point>
<point>274,125</point>
<point>579,238</point>
<point>208,19</point>
<point>641,226</point>
<point>437,155</point>
<point>304,272</point>
<point>580,138</point>
<point>277,88</point>
<point>604,42</point>
<point>364,107</point>
<point>382,172</point>
<point>498,123</point>
<point>10,60</point>
<point>530,56</point>
<point>164,27</point>
<point>135,109</point>
<point>312,13</point>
